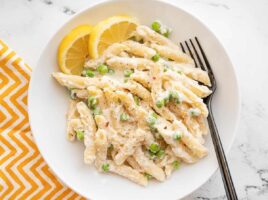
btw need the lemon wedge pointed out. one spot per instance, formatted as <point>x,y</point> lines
<point>73,50</point>
<point>109,31</point>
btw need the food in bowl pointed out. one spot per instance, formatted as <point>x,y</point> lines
<point>136,99</point>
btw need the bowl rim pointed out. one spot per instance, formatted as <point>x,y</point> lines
<point>100,3</point>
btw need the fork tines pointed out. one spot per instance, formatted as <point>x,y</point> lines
<point>194,49</point>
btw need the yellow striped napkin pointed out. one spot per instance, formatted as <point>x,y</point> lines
<point>23,172</point>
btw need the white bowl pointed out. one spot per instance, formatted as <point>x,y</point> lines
<point>48,103</point>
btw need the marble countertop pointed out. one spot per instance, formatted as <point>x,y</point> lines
<point>240,25</point>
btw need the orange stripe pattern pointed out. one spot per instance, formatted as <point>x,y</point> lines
<point>23,172</point>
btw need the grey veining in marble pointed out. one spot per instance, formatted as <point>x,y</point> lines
<point>241,26</point>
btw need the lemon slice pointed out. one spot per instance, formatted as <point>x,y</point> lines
<point>73,50</point>
<point>109,31</point>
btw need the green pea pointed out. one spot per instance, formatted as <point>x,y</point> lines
<point>105,167</point>
<point>151,121</point>
<point>160,103</point>
<point>97,111</point>
<point>92,102</point>
<point>174,96</point>
<point>124,117</point>
<point>154,115</point>
<point>102,69</point>
<point>176,164</point>
<point>148,176</point>
<point>90,73</point>
<point>156,57</point>
<point>167,33</point>
<point>156,26</point>
<point>160,154</point>
<point>166,100</point>
<point>128,72</point>
<point>80,135</point>
<point>194,112</point>
<point>154,148</point>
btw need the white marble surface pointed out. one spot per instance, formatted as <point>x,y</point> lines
<point>242,27</point>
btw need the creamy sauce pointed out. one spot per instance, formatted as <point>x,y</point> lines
<point>117,76</point>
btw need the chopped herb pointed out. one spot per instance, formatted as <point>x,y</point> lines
<point>177,136</point>
<point>124,117</point>
<point>194,112</point>
<point>102,69</point>
<point>166,100</point>
<point>137,100</point>
<point>125,80</point>
<point>156,26</point>
<point>105,167</point>
<point>154,115</point>
<point>148,176</point>
<point>156,57</point>
<point>174,96</point>
<point>176,164</point>
<point>179,72</point>
<point>92,102</point>
<point>80,135</point>
<point>151,120</point>
<point>154,148</point>
<point>128,72</point>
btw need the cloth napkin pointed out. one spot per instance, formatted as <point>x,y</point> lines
<point>23,172</point>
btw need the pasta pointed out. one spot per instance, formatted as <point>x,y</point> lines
<point>145,115</point>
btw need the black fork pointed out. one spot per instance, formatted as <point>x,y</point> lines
<point>194,49</point>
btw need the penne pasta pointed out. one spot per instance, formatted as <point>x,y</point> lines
<point>71,115</point>
<point>151,36</point>
<point>148,165</point>
<point>129,173</point>
<point>89,128</point>
<point>140,50</point>
<point>129,147</point>
<point>129,63</point>
<point>190,71</point>
<point>172,54</point>
<point>138,108</point>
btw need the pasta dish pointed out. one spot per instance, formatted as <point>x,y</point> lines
<point>138,107</point>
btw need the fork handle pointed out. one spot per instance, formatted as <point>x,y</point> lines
<point>223,165</point>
